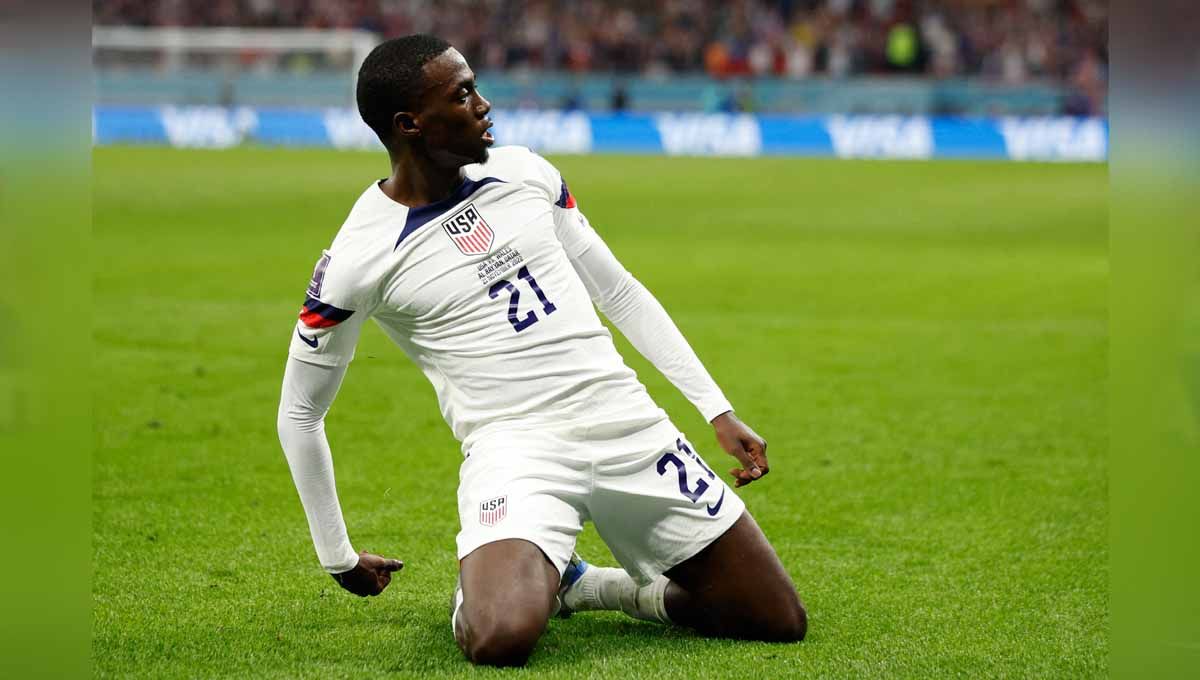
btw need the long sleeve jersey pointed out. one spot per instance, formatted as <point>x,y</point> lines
<point>490,292</point>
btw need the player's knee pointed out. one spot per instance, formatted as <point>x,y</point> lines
<point>783,620</point>
<point>504,642</point>
<point>795,624</point>
<point>789,622</point>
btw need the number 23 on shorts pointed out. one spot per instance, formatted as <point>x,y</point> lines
<point>669,458</point>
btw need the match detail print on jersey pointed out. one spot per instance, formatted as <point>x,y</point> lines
<point>468,230</point>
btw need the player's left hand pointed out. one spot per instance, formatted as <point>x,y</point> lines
<point>742,443</point>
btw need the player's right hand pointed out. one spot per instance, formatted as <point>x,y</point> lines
<point>370,576</point>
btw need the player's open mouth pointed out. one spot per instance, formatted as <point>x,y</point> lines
<point>487,135</point>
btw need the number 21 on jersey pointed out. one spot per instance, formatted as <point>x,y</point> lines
<point>514,298</point>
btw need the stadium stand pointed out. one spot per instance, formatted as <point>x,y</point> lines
<point>1014,79</point>
<point>1013,40</point>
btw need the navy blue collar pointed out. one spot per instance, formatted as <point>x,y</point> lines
<point>418,217</point>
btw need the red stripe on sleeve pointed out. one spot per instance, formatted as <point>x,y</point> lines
<point>314,320</point>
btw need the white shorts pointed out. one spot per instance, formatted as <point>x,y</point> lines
<point>650,496</point>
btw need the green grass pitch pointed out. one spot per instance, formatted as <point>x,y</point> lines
<point>923,345</point>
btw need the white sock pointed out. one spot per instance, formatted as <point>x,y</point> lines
<point>614,590</point>
<point>458,601</point>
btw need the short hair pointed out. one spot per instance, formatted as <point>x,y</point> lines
<point>391,80</point>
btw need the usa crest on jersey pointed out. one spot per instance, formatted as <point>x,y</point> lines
<point>469,231</point>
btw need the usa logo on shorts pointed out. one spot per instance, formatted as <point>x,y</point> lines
<point>469,232</point>
<point>493,511</point>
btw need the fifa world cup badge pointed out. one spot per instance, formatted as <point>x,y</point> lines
<point>493,510</point>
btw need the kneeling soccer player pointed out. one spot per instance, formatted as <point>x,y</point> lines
<point>481,267</point>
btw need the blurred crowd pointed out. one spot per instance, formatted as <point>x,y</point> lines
<point>1008,40</point>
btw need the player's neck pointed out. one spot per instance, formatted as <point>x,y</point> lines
<point>416,181</point>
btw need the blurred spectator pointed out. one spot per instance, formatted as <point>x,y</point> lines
<point>573,101</point>
<point>1009,40</point>
<point>620,98</point>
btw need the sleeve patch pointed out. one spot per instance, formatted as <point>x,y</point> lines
<point>317,314</point>
<point>565,199</point>
<point>318,277</point>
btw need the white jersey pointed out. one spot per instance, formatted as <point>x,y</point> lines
<point>490,294</point>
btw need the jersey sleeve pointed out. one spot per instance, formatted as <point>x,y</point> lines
<point>629,305</point>
<point>337,303</point>
<point>308,392</point>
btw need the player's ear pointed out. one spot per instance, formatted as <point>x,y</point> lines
<point>405,124</point>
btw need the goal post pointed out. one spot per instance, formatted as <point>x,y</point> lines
<point>237,50</point>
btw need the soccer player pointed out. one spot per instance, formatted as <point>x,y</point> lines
<point>481,267</point>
